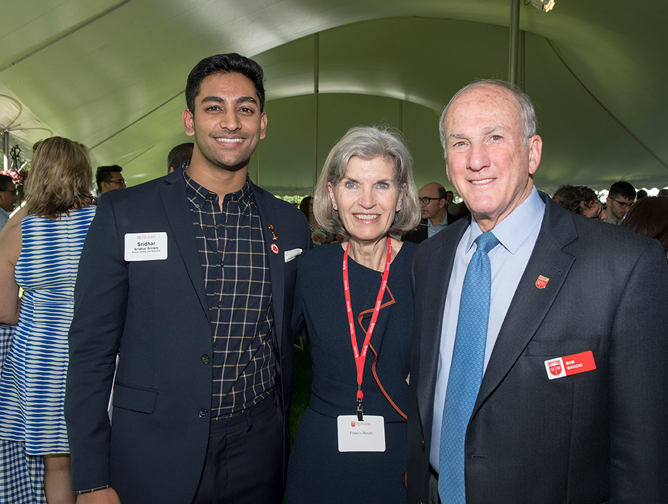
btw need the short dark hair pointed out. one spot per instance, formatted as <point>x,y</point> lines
<point>641,194</point>
<point>623,189</point>
<point>103,174</point>
<point>179,155</point>
<point>649,217</point>
<point>224,63</point>
<point>4,180</point>
<point>442,193</point>
<point>304,206</point>
<point>573,197</point>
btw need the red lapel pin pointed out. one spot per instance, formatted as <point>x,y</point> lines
<point>542,282</point>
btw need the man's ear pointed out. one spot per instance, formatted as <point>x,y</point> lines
<point>188,122</point>
<point>263,125</point>
<point>535,152</point>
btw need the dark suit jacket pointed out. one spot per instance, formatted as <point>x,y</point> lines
<point>155,312</point>
<point>595,437</point>
<point>420,234</point>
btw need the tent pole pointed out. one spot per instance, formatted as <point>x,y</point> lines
<point>514,41</point>
<point>5,150</point>
<point>522,59</point>
<point>316,92</point>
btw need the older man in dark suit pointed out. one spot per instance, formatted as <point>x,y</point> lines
<point>538,370</point>
<point>190,279</point>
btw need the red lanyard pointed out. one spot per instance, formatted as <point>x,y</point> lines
<point>360,359</point>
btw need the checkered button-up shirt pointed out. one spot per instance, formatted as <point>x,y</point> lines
<point>238,289</point>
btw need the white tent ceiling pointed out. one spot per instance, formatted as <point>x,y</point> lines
<point>111,75</point>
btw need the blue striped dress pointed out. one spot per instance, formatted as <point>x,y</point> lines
<point>21,475</point>
<point>32,386</point>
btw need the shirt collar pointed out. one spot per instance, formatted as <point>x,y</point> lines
<point>198,194</point>
<point>513,231</point>
<point>440,225</point>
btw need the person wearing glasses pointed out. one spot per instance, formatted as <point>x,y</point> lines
<point>109,178</point>
<point>620,198</point>
<point>580,200</point>
<point>8,198</point>
<point>434,210</point>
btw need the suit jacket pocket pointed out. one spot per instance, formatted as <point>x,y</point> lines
<point>140,400</point>
<point>559,348</point>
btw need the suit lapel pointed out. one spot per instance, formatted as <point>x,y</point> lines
<point>531,304</point>
<point>175,205</point>
<point>435,287</point>
<point>276,260</point>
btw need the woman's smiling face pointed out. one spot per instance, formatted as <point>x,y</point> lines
<point>367,198</point>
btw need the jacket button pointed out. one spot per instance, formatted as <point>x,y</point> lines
<point>203,413</point>
<point>205,359</point>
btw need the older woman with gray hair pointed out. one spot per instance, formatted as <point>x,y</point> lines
<point>351,444</point>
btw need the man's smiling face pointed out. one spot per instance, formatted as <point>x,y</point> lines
<point>227,123</point>
<point>488,160</point>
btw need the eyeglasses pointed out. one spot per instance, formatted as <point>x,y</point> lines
<point>622,204</point>
<point>425,201</point>
<point>9,191</point>
<point>119,181</point>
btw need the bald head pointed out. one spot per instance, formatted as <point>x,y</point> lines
<point>433,202</point>
<point>526,111</point>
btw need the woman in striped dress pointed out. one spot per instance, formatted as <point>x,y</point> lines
<point>41,254</point>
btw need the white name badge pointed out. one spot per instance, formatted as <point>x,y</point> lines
<point>365,436</point>
<point>145,246</point>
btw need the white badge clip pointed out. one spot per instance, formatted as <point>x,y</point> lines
<point>365,436</point>
<point>145,246</point>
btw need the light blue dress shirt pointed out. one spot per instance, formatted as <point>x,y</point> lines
<point>517,233</point>
<point>4,217</point>
<point>432,230</point>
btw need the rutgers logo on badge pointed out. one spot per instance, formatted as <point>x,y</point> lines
<point>541,283</point>
<point>352,423</point>
<point>555,368</point>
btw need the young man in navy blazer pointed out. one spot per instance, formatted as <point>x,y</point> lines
<point>189,279</point>
<point>565,398</point>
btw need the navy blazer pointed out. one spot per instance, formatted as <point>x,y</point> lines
<point>155,314</point>
<point>594,437</point>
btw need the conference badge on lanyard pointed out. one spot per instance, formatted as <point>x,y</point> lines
<point>358,432</point>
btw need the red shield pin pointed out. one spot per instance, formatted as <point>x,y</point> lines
<point>274,248</point>
<point>555,367</point>
<point>542,282</point>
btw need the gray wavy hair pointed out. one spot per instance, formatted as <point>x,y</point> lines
<point>368,142</point>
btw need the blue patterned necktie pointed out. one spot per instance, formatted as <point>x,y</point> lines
<point>465,371</point>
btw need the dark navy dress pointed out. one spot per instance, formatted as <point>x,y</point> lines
<point>317,471</point>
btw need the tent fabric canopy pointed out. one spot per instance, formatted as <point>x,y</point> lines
<point>111,75</point>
